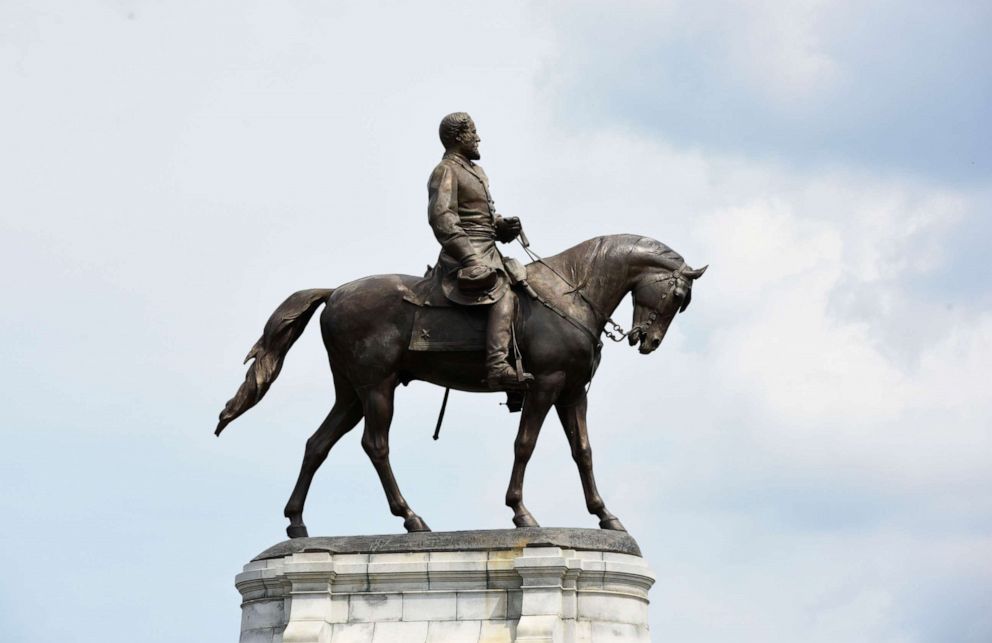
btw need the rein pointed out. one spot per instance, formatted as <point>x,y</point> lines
<point>616,333</point>
<point>578,291</point>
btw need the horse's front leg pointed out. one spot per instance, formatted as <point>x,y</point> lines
<point>377,404</point>
<point>573,419</point>
<point>537,403</point>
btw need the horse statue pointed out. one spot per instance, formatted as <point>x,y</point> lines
<point>370,331</point>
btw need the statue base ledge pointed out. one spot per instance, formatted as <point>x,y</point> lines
<point>547,585</point>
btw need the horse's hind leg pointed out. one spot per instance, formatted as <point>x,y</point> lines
<point>573,419</point>
<point>377,402</point>
<point>345,414</point>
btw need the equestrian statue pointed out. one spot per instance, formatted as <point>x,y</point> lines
<point>477,321</point>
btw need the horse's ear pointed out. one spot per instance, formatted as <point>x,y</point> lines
<point>695,273</point>
<point>688,298</point>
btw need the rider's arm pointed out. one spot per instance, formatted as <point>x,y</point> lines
<point>442,214</point>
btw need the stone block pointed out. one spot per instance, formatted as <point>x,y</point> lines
<point>404,558</point>
<point>498,632</point>
<point>352,632</point>
<point>591,573</point>
<point>618,633</point>
<point>352,582</point>
<point>514,603</point>
<point>262,614</point>
<point>256,565</point>
<point>481,605</point>
<point>430,606</point>
<point>400,582</point>
<point>351,572</point>
<point>454,632</point>
<point>306,632</point>
<point>616,557</point>
<point>309,557</point>
<point>457,574</point>
<point>375,608</point>
<point>460,557</point>
<point>310,607</point>
<point>351,559</point>
<point>611,608</point>
<point>400,632</point>
<point>398,572</point>
<point>503,578</point>
<point>338,609</point>
<point>262,635</point>
<point>583,632</point>
<point>540,629</point>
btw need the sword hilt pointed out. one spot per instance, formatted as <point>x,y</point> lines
<point>524,241</point>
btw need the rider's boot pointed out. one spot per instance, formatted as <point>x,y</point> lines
<point>499,374</point>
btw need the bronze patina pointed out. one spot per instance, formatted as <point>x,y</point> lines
<point>553,313</point>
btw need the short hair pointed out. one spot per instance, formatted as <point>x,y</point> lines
<point>452,126</point>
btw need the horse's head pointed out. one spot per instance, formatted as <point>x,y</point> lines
<point>662,289</point>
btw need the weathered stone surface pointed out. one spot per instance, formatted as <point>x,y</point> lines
<point>598,540</point>
<point>532,587</point>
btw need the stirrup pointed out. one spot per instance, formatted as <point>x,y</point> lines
<point>508,379</point>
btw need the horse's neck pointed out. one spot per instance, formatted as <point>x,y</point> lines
<point>599,267</point>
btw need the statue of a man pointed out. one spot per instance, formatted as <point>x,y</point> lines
<point>463,216</point>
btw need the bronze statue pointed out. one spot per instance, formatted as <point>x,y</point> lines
<point>472,271</point>
<point>387,330</point>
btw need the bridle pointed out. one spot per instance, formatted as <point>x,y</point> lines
<point>611,329</point>
<point>673,278</point>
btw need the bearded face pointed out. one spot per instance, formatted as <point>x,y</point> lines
<point>468,141</point>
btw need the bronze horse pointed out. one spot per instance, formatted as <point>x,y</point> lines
<point>366,328</point>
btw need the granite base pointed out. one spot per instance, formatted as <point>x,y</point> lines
<point>533,585</point>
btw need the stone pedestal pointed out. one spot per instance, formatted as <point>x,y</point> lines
<point>534,585</point>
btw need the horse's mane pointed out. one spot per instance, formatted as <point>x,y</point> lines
<point>598,250</point>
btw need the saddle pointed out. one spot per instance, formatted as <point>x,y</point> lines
<point>449,328</point>
<point>441,325</point>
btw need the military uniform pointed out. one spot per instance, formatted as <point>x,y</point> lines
<point>472,271</point>
<point>463,216</point>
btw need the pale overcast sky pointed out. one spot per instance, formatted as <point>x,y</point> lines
<point>806,458</point>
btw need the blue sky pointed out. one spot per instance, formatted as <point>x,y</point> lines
<point>805,458</point>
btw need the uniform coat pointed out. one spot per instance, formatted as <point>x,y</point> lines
<point>463,217</point>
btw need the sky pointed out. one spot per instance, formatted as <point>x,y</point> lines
<point>806,457</point>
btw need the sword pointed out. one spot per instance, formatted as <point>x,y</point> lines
<point>524,241</point>
<point>440,416</point>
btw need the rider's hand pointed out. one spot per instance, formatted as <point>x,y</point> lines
<point>508,228</point>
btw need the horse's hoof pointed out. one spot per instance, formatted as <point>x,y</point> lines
<point>611,523</point>
<point>525,520</point>
<point>297,531</point>
<point>415,523</point>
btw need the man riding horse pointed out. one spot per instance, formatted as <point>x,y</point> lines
<point>374,344</point>
<point>472,271</point>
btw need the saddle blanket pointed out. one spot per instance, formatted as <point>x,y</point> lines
<point>449,328</point>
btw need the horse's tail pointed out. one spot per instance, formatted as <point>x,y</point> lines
<point>281,331</point>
